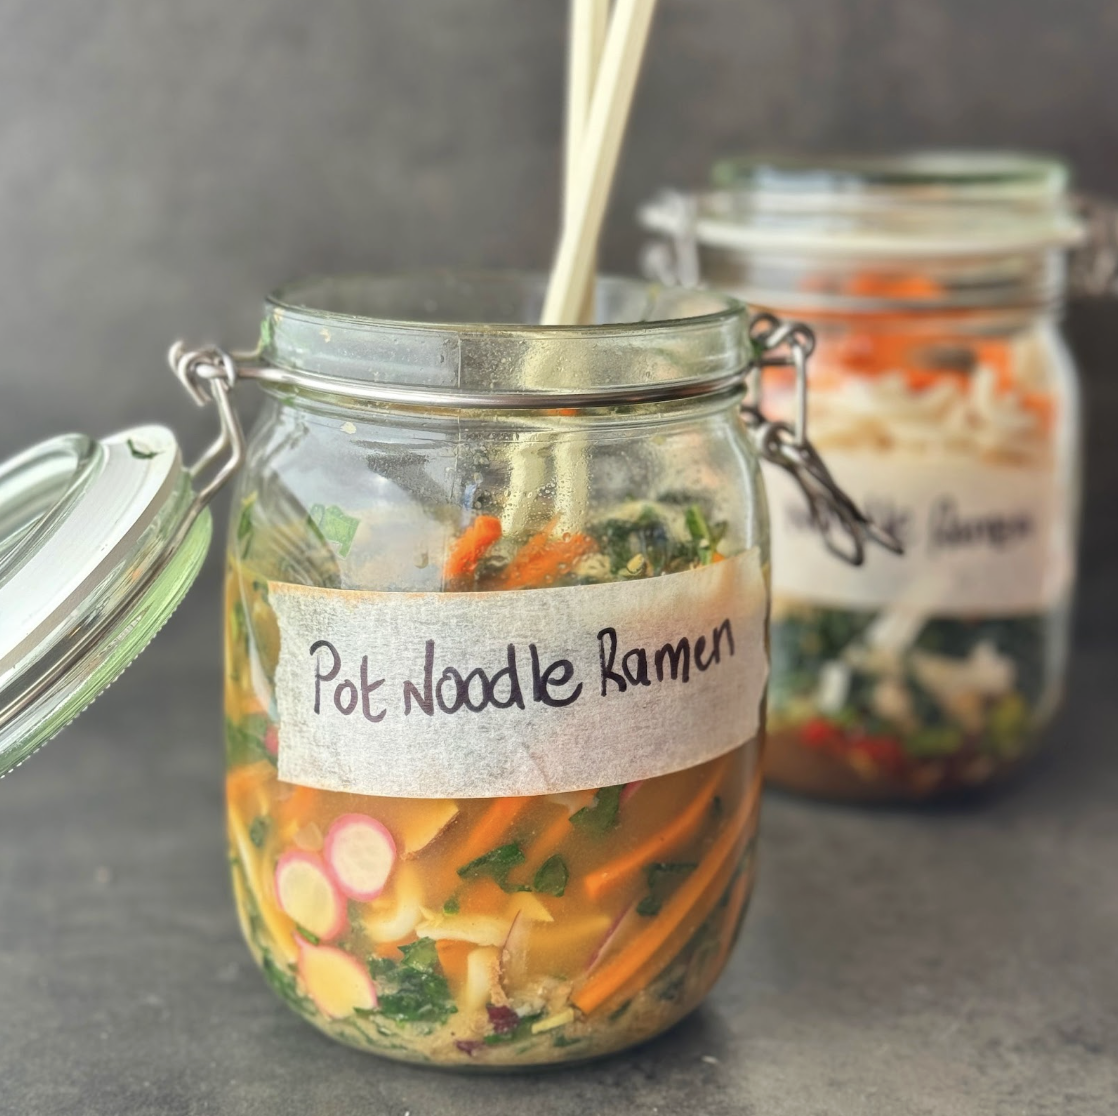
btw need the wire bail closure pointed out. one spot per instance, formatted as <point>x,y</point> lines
<point>209,375</point>
<point>844,527</point>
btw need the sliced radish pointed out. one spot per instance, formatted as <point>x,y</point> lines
<point>361,853</point>
<point>628,790</point>
<point>338,983</point>
<point>613,934</point>
<point>425,821</point>
<point>271,740</point>
<point>307,895</point>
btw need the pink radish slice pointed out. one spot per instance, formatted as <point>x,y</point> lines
<point>337,982</point>
<point>628,790</point>
<point>360,853</point>
<point>612,933</point>
<point>271,740</point>
<point>307,895</point>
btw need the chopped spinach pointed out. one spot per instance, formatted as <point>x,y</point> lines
<point>244,740</point>
<point>258,830</point>
<point>661,879</point>
<point>552,876</point>
<point>601,814</point>
<point>496,864</point>
<point>414,989</point>
<point>336,525</point>
<point>245,526</point>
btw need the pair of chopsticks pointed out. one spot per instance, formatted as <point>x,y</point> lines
<point>604,62</point>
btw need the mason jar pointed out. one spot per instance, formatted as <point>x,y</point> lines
<point>496,615</point>
<point>945,400</point>
<point>496,612</point>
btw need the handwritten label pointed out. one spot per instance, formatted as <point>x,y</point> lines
<point>979,539</point>
<point>539,691</point>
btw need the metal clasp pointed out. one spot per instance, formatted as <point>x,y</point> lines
<point>1093,263</point>
<point>209,375</point>
<point>845,528</point>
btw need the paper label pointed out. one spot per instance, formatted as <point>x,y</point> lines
<point>538,691</point>
<point>980,539</point>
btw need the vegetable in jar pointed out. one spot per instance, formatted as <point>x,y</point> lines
<point>945,402</point>
<point>513,919</point>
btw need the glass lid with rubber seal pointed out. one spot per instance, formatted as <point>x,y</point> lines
<point>99,542</point>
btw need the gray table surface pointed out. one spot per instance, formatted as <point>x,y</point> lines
<point>940,961</point>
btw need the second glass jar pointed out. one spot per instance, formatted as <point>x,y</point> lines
<point>945,400</point>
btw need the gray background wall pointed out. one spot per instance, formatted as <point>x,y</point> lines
<point>163,164</point>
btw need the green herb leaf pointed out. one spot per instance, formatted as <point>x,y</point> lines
<point>314,939</point>
<point>451,905</point>
<point>661,880</point>
<point>497,865</point>
<point>552,876</point>
<point>258,831</point>
<point>336,526</point>
<point>601,814</point>
<point>413,990</point>
<point>245,526</point>
<point>244,740</point>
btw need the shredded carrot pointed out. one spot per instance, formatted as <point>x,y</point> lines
<point>542,558</point>
<point>682,826</point>
<point>492,830</point>
<point>678,919</point>
<point>879,284</point>
<point>550,839</point>
<point>248,777</point>
<point>470,547</point>
<point>1043,405</point>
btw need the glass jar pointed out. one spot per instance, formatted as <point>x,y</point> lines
<point>944,398</point>
<point>517,723</point>
<point>496,646</point>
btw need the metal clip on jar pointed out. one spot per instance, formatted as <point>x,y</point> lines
<point>946,403</point>
<point>496,611</point>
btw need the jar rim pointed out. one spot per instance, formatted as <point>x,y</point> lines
<point>931,204</point>
<point>468,339</point>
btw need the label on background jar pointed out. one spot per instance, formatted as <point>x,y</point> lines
<point>536,691</point>
<point>979,539</point>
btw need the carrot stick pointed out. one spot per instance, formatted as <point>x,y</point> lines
<point>470,547</point>
<point>673,833</point>
<point>542,558</point>
<point>492,829</point>
<point>678,919</point>
<point>248,777</point>
<point>549,840</point>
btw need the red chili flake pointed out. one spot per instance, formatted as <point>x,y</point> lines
<point>468,1046</point>
<point>502,1019</point>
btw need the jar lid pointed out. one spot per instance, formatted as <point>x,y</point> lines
<point>99,541</point>
<point>922,204</point>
